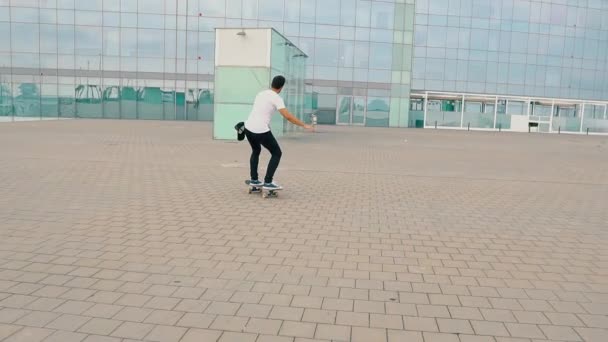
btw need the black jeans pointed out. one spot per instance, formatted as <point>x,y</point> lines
<point>270,143</point>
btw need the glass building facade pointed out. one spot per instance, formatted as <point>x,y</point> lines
<point>396,63</point>
<point>549,48</point>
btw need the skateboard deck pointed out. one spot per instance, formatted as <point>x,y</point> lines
<point>259,189</point>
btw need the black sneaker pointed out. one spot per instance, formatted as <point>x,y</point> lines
<point>272,186</point>
<point>240,131</point>
<point>255,183</point>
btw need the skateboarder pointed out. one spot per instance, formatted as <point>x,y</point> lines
<point>257,131</point>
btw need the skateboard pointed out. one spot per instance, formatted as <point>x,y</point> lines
<point>259,189</point>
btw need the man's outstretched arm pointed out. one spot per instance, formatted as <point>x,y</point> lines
<point>291,118</point>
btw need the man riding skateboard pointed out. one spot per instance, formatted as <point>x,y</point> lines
<point>257,131</point>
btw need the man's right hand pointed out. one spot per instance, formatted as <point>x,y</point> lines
<point>309,128</point>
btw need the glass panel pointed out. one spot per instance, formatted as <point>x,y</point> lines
<point>48,16</point>
<point>49,104</point>
<point>380,56</point>
<point>180,104</point>
<point>48,38</point>
<point>128,100</point>
<point>596,119</point>
<point>88,100</point>
<point>26,99</point>
<point>151,43</point>
<point>128,5</point>
<point>233,8</point>
<point>378,109</point>
<point>358,110</point>
<point>24,15</point>
<point>5,30</point>
<point>93,5</point>
<point>128,42</point>
<point>478,115</point>
<point>382,15</point>
<point>328,12</point>
<point>169,108</point>
<point>25,37</point>
<point>111,102</point>
<point>363,13</point>
<point>215,8</point>
<point>443,113</point>
<point>154,6</point>
<point>567,118</point>
<point>503,121</point>
<point>270,10</point>
<point>65,39</point>
<point>6,98</point>
<point>5,13</point>
<point>88,40</point>
<point>250,9</point>
<point>150,103</point>
<point>154,21</point>
<point>344,107</point>
<point>89,18</point>
<point>307,11</point>
<point>65,92</point>
<point>326,52</point>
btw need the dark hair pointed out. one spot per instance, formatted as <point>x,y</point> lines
<point>278,82</point>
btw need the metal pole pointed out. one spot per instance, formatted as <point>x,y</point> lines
<point>551,117</point>
<point>582,117</point>
<point>495,111</point>
<point>426,99</point>
<point>462,112</point>
<point>605,111</point>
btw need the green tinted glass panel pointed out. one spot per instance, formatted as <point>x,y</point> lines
<point>128,102</point>
<point>205,109</point>
<point>48,101</point>
<point>180,105</point>
<point>111,102</point>
<point>169,103</point>
<point>378,109</point>
<point>66,101</point>
<point>88,101</point>
<point>149,103</point>
<point>279,53</point>
<point>226,117</point>
<point>240,84</point>
<point>6,100</point>
<point>26,99</point>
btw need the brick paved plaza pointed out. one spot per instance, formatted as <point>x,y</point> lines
<point>143,231</point>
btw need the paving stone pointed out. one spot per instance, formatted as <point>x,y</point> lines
<point>237,337</point>
<point>29,334</point>
<point>201,335</point>
<point>360,334</point>
<point>263,326</point>
<point>333,332</point>
<point>65,336</point>
<point>8,329</point>
<point>133,330</point>
<point>164,333</point>
<point>297,329</point>
<point>99,326</point>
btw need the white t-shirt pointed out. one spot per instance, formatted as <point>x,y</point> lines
<point>266,103</point>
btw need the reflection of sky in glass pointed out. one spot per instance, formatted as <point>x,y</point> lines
<point>531,39</point>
